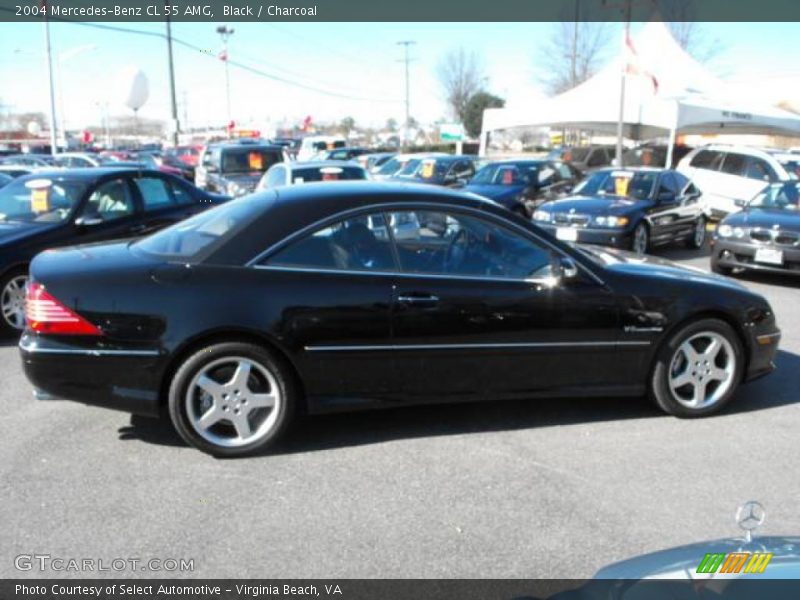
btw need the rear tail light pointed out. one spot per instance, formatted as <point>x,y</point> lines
<point>47,315</point>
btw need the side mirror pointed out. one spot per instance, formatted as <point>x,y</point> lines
<point>740,203</point>
<point>85,221</point>
<point>564,267</point>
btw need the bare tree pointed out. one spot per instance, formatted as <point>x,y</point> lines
<point>690,35</point>
<point>571,54</point>
<point>461,75</point>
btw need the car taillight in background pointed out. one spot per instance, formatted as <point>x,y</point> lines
<point>47,315</point>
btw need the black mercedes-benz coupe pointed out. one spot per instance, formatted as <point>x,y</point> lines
<point>335,296</point>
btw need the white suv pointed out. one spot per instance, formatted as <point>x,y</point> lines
<point>729,176</point>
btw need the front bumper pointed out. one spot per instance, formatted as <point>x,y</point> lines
<point>618,238</point>
<point>119,378</point>
<point>734,254</point>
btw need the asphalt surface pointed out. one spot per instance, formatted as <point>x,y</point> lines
<point>493,490</point>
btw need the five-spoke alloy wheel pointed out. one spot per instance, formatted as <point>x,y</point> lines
<point>12,302</point>
<point>698,369</point>
<point>231,399</point>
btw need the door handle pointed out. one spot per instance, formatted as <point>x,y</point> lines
<point>418,299</point>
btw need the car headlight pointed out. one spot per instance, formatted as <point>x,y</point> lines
<point>541,215</point>
<point>724,231</point>
<point>611,221</point>
<point>234,189</point>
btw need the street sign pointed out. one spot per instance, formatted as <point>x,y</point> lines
<point>451,132</point>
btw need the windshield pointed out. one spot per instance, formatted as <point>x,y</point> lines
<point>188,239</point>
<point>783,196</point>
<point>392,166</point>
<point>248,160</point>
<point>39,200</point>
<point>627,184</point>
<point>507,174</point>
<point>409,168</point>
<point>311,174</point>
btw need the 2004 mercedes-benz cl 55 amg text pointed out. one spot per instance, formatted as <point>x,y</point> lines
<point>338,296</point>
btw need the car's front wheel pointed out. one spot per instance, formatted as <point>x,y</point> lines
<point>231,399</point>
<point>698,236</point>
<point>12,301</point>
<point>698,369</point>
<point>640,240</point>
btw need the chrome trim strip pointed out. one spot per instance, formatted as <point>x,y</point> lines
<point>33,348</point>
<point>545,281</point>
<point>635,329</point>
<point>365,348</point>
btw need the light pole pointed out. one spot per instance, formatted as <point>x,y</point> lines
<point>406,59</point>
<point>174,105</point>
<point>49,59</point>
<point>225,33</point>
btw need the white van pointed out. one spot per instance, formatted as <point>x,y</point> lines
<point>314,144</point>
<point>729,176</point>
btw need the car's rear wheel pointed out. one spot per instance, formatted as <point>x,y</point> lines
<point>12,301</point>
<point>698,236</point>
<point>698,369</point>
<point>640,240</point>
<point>231,399</point>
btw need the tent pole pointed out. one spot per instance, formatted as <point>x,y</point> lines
<point>672,133</point>
<point>622,82</point>
<point>484,139</point>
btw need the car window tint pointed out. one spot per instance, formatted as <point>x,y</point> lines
<point>667,184</point>
<point>733,164</point>
<point>355,244</point>
<point>681,181</point>
<point>759,169</point>
<point>111,200</point>
<point>441,243</point>
<point>181,194</point>
<point>597,158</point>
<point>155,194</point>
<point>707,159</point>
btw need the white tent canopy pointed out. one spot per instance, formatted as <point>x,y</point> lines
<point>684,98</point>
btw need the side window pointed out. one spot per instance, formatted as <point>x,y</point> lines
<point>563,171</point>
<point>759,169</point>
<point>667,186</point>
<point>707,159</point>
<point>181,194</point>
<point>358,244</point>
<point>598,158</point>
<point>734,164</point>
<point>440,243</point>
<point>111,200</point>
<point>155,193</point>
<point>681,182</point>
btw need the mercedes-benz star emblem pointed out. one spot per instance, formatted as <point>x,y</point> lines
<point>750,516</point>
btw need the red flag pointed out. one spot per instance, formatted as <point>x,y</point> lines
<point>633,64</point>
<point>223,56</point>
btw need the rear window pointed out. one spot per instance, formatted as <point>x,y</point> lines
<point>706,159</point>
<point>194,238</point>
<point>311,174</point>
<point>248,160</point>
<point>734,164</point>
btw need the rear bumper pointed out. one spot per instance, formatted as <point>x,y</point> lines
<point>119,378</point>
<point>618,238</point>
<point>741,255</point>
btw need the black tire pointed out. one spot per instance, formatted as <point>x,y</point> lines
<point>6,327</point>
<point>197,362</point>
<point>659,387</point>
<point>692,241</point>
<point>643,230</point>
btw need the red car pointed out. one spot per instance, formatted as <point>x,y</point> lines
<point>188,154</point>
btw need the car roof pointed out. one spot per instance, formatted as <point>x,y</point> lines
<point>318,164</point>
<point>638,168</point>
<point>245,144</point>
<point>88,174</point>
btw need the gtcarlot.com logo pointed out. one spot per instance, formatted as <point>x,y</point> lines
<point>734,562</point>
<point>47,562</point>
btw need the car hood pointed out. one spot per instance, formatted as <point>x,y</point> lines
<point>14,231</point>
<point>595,205</point>
<point>766,218</point>
<point>624,262</point>
<point>682,562</point>
<point>494,192</point>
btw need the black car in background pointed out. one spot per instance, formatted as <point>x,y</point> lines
<point>654,155</point>
<point>320,297</point>
<point>235,168</point>
<point>521,185</point>
<point>77,206</point>
<point>763,236</point>
<point>346,153</point>
<point>634,208</point>
<point>449,170</point>
<point>585,158</point>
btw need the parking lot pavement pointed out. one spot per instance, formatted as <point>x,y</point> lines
<point>511,489</point>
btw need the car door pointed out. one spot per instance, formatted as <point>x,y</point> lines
<point>476,313</point>
<point>108,212</point>
<point>344,272</point>
<point>163,202</point>
<point>667,214</point>
<point>703,170</point>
